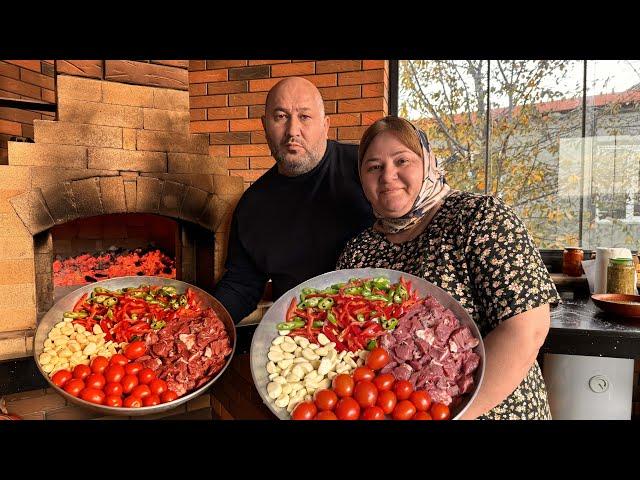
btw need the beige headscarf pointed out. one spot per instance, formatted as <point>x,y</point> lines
<point>434,190</point>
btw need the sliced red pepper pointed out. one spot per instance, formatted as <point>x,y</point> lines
<point>292,309</point>
<point>80,303</point>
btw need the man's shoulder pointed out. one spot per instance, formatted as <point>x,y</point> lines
<point>258,189</point>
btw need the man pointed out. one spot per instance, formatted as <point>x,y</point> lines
<point>293,222</point>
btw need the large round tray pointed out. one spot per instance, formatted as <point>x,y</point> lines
<point>65,304</point>
<point>266,330</point>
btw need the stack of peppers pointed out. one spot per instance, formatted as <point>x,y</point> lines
<point>351,314</point>
<point>127,313</point>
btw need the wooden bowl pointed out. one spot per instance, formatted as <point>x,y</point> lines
<point>613,303</point>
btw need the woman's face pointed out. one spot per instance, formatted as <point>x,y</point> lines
<point>392,175</point>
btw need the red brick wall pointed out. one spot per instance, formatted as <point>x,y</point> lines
<point>227,100</point>
<point>23,79</point>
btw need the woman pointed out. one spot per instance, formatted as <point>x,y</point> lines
<point>474,247</point>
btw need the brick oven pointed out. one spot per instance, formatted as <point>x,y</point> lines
<point>118,168</point>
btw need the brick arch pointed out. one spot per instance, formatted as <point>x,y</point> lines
<point>42,208</point>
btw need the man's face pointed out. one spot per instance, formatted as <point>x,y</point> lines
<point>296,128</point>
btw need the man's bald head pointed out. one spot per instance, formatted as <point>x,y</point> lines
<point>295,125</point>
<point>294,84</point>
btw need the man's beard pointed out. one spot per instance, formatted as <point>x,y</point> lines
<point>301,164</point>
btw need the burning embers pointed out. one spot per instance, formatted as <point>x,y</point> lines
<point>88,268</point>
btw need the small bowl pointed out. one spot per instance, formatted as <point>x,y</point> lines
<point>613,303</point>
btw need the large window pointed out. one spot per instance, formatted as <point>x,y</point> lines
<point>557,140</point>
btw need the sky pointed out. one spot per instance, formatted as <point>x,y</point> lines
<point>603,76</point>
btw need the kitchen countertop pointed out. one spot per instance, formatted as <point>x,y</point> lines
<point>578,327</point>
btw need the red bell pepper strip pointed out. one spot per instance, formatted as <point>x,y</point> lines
<point>80,303</point>
<point>292,309</point>
<point>331,336</point>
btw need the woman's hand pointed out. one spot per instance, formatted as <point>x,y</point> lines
<point>511,349</point>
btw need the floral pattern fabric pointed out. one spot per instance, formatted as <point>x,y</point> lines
<point>478,250</point>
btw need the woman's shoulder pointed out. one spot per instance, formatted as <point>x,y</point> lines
<point>478,207</point>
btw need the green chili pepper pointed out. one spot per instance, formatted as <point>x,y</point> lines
<point>109,313</point>
<point>402,291</point>
<point>332,318</point>
<point>100,290</point>
<point>353,291</point>
<point>397,298</point>
<point>157,325</point>
<point>337,286</point>
<point>366,291</point>
<point>307,291</point>
<point>325,303</point>
<point>389,324</point>
<point>80,314</point>
<point>183,300</point>
<point>148,298</point>
<point>169,290</point>
<point>100,298</point>
<point>110,302</point>
<point>290,325</point>
<point>134,316</point>
<point>311,302</point>
<point>360,317</point>
<point>372,344</point>
<point>318,324</point>
<point>378,297</point>
<point>158,302</point>
<point>174,304</point>
<point>138,294</point>
<point>329,291</point>
<point>382,283</point>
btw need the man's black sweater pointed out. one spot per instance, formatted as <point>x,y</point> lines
<point>289,229</point>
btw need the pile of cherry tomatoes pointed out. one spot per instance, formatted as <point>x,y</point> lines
<point>116,382</point>
<point>366,395</point>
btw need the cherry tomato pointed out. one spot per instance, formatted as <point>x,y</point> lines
<point>81,371</point>
<point>363,373</point>
<point>133,368</point>
<point>118,359</point>
<point>114,373</point>
<point>365,393</point>
<point>151,400</point>
<point>372,413</point>
<point>304,411</point>
<point>158,387</point>
<point>61,377</point>
<point>135,350</point>
<point>386,401</point>
<point>168,396</point>
<point>92,395</point>
<point>146,375</point>
<point>347,409</point>
<point>403,389</point>
<point>377,359</point>
<point>325,399</point>
<point>113,401</point>
<point>99,364</point>
<point>132,402</point>
<point>404,410</point>
<point>141,391</point>
<point>129,382</point>
<point>74,386</point>
<point>440,411</point>
<point>421,399</point>
<point>422,416</point>
<point>384,381</point>
<point>343,385</point>
<point>95,380</point>
<point>326,415</point>
<point>113,389</point>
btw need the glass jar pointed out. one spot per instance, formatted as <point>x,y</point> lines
<point>621,276</point>
<point>572,261</point>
